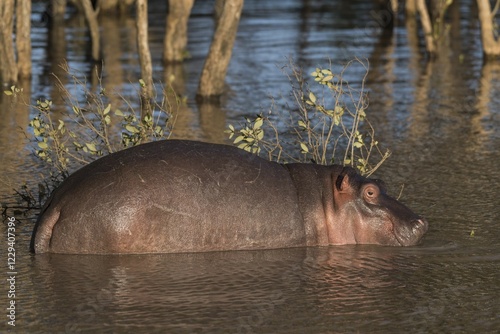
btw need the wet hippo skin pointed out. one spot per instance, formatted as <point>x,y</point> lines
<point>186,196</point>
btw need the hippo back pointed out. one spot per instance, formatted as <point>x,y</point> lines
<point>175,196</point>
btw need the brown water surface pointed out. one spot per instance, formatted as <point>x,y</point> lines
<point>440,119</point>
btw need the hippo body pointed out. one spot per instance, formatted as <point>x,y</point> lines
<point>185,196</point>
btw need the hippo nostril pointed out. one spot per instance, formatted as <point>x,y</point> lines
<point>421,224</point>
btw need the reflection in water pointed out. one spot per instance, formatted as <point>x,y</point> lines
<point>181,291</point>
<point>14,160</point>
<point>112,52</point>
<point>185,126</point>
<point>343,288</point>
<point>482,123</point>
<point>440,119</point>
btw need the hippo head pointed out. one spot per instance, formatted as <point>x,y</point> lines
<point>370,216</point>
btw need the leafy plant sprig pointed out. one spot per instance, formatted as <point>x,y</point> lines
<point>326,130</point>
<point>78,132</point>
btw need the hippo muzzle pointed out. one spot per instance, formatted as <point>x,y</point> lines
<point>411,233</point>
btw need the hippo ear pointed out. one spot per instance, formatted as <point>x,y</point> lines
<point>342,183</point>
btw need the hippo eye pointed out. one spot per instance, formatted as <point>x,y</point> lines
<point>370,193</point>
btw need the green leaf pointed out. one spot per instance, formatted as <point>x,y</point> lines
<point>43,145</point>
<point>107,119</point>
<point>238,139</point>
<point>119,113</point>
<point>304,148</point>
<point>61,124</point>
<point>302,124</point>
<point>312,97</point>
<point>91,147</point>
<point>7,92</point>
<point>131,128</point>
<point>362,113</point>
<point>258,123</point>
<point>106,111</point>
<point>45,104</point>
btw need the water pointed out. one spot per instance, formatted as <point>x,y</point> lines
<point>338,289</point>
<point>439,119</point>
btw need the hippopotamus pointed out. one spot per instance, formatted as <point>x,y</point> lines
<point>186,196</point>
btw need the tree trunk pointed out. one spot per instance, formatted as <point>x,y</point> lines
<point>23,38</point>
<point>56,55</point>
<point>176,30</point>
<point>7,54</point>
<point>394,9</point>
<point>411,8</point>
<point>58,8</point>
<point>125,5</point>
<point>426,26</point>
<point>112,51</point>
<point>439,9</point>
<point>108,6</point>
<point>491,46</point>
<point>91,17</point>
<point>144,56</point>
<point>217,62</point>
